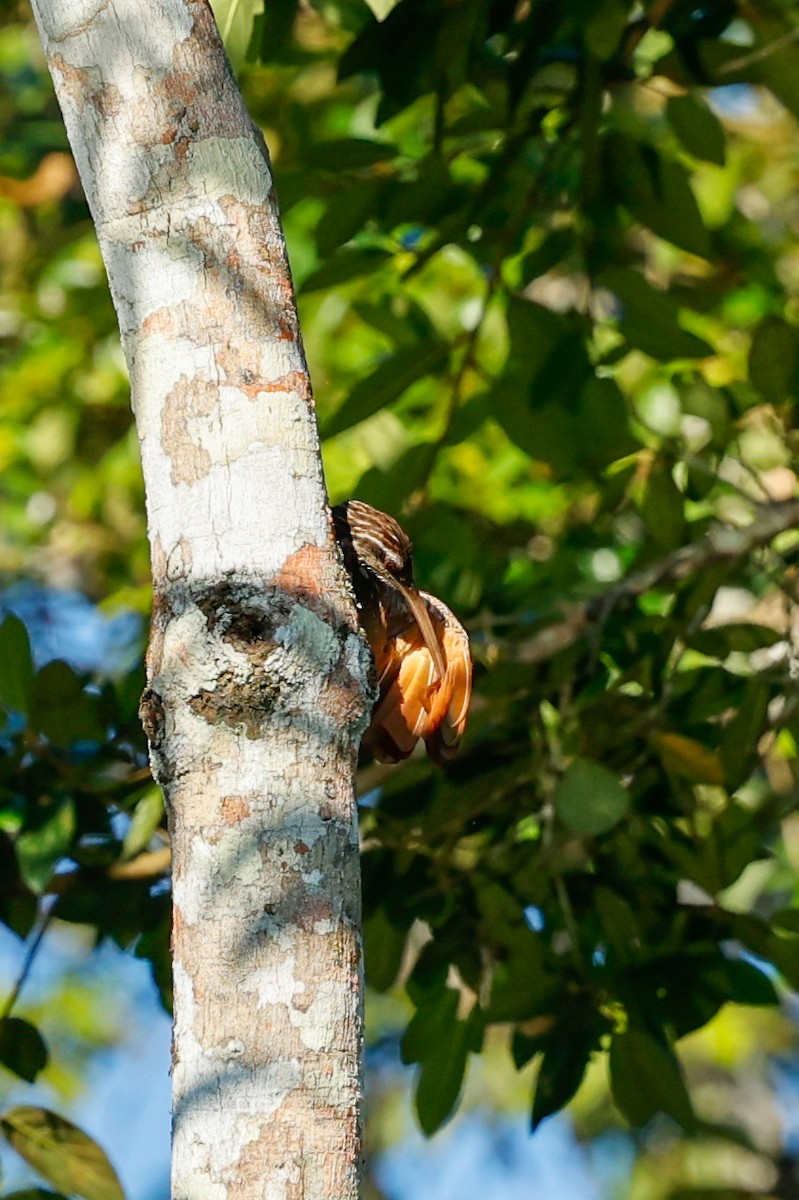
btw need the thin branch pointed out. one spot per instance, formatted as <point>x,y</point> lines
<point>720,544</point>
<point>746,60</point>
<point>27,964</point>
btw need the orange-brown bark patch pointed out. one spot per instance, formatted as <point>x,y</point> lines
<point>234,809</point>
<point>189,399</point>
<point>311,575</point>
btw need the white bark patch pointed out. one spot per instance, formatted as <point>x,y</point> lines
<point>275,982</point>
<point>160,272</point>
<point>313,1022</point>
<point>212,866</point>
<point>316,639</point>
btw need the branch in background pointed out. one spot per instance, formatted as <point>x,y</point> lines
<point>35,942</point>
<point>721,543</point>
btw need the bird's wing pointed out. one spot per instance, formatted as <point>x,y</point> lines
<point>446,719</point>
<point>415,701</point>
<point>400,715</point>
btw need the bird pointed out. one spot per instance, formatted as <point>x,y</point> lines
<point>420,649</point>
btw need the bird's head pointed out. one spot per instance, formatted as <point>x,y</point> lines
<point>377,551</point>
<point>381,544</point>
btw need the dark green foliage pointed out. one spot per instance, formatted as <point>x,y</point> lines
<point>22,1048</point>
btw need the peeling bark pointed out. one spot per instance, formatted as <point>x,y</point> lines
<point>257,675</point>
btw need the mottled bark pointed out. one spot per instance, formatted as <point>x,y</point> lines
<point>257,674</point>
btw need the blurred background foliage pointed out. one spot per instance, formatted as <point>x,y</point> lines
<point>547,265</point>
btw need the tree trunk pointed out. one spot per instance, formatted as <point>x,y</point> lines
<point>257,674</point>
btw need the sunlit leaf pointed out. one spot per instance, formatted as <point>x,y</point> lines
<point>62,1153</point>
<point>235,19</point>
<point>147,816</point>
<point>689,759</point>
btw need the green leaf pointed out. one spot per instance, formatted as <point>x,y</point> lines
<point>649,317</point>
<point>661,508</point>
<point>61,1152</point>
<point>787,918</point>
<point>645,1078</point>
<point>42,844</point>
<point>712,1192</point>
<point>750,985</point>
<point>387,489</point>
<point>770,60</point>
<point>552,250</point>
<point>420,44</point>
<point>604,28</point>
<point>520,987</point>
<point>387,383</point>
<point>22,1048</point>
<point>343,267</point>
<point>33,1193</point>
<point>441,1076</point>
<point>273,29</point>
<point>561,1073</point>
<point>534,332</point>
<point>154,947</point>
<point>431,197</point>
<point>589,799</point>
<point>16,671</point>
<point>773,358</point>
<point>349,154</point>
<point>688,759</point>
<point>618,921</point>
<point>525,1046</point>
<point>235,20</point>
<point>430,1026</point>
<point>725,639</point>
<point>147,816</point>
<point>346,215</point>
<point>739,744</point>
<point>379,45</point>
<point>61,709</point>
<point>737,841</point>
<point>657,193</point>
<point>383,947</point>
<point>783,952</point>
<point>699,129</point>
<point>604,425</point>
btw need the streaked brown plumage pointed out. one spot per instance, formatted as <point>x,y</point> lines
<point>421,650</point>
